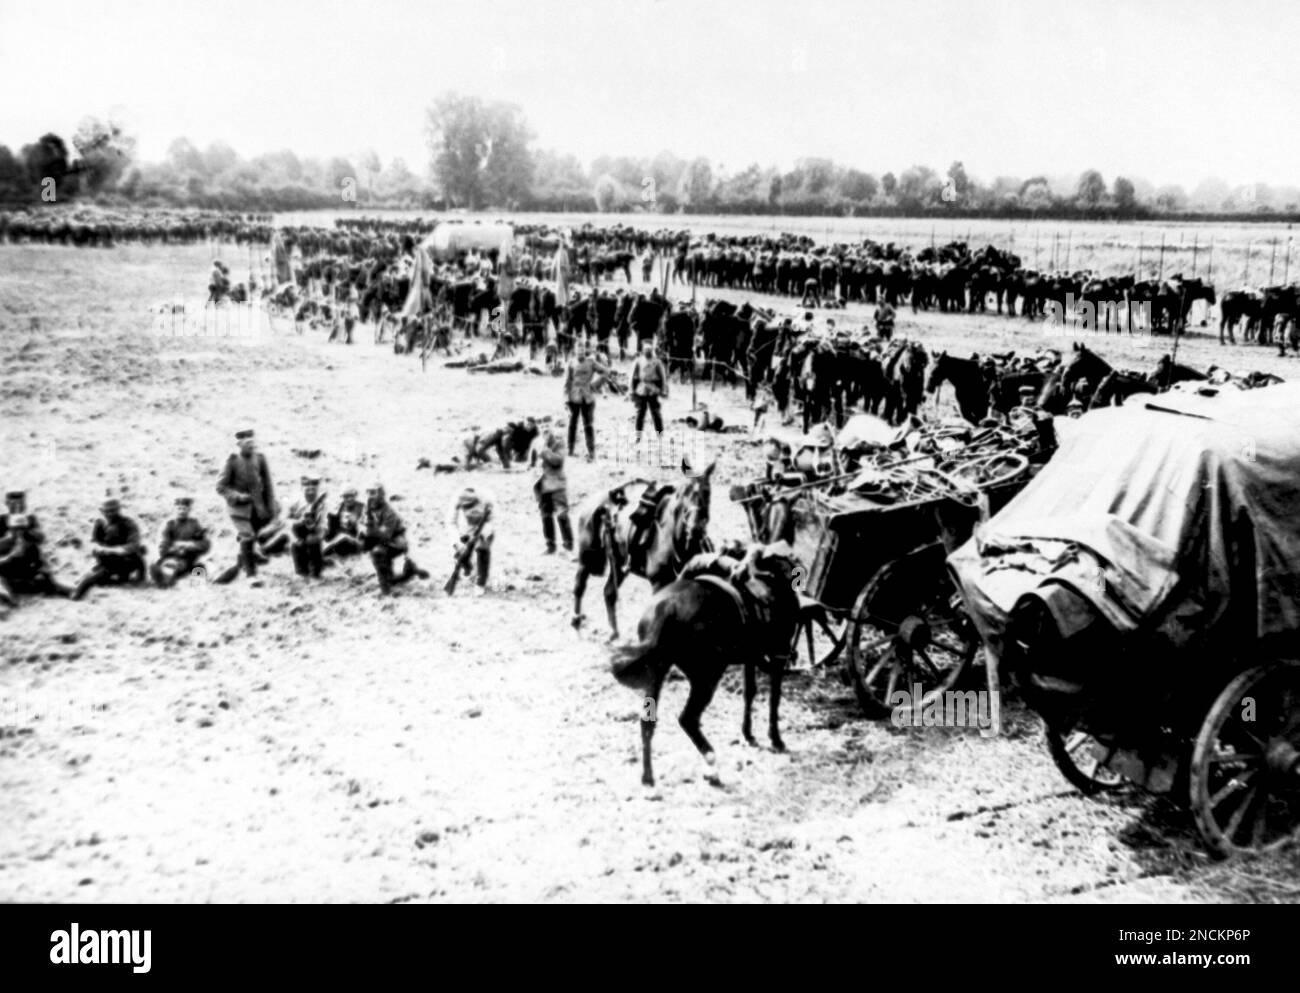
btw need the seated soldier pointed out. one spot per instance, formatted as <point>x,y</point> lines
<point>384,537</point>
<point>307,529</point>
<point>22,563</point>
<point>115,545</point>
<point>343,530</point>
<point>184,541</point>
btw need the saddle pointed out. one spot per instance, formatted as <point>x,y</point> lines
<point>755,592</point>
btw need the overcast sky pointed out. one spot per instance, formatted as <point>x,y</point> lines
<point>1169,91</point>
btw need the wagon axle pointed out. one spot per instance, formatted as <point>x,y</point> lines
<point>915,632</point>
<point>1282,757</point>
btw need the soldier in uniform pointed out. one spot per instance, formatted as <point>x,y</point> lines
<point>581,378</point>
<point>115,546</point>
<point>649,386</point>
<point>183,543</point>
<point>472,508</point>
<point>885,315</point>
<point>383,535</point>
<point>22,563</point>
<point>343,531</point>
<point>245,484</point>
<point>512,441</point>
<point>307,529</point>
<point>552,491</point>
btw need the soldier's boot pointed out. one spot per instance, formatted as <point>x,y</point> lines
<point>84,584</point>
<point>412,570</point>
<point>228,575</point>
<point>482,563</point>
<point>52,587</point>
<point>548,532</point>
<point>383,571</point>
<point>315,560</point>
<point>247,558</point>
<point>299,555</point>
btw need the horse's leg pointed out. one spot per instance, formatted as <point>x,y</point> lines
<point>613,580</point>
<point>704,681</point>
<point>579,590</point>
<point>774,701</point>
<point>649,717</point>
<point>751,691</point>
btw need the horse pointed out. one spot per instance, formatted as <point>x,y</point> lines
<point>904,381</point>
<point>1118,386</point>
<point>613,545</point>
<point>1168,372</point>
<point>722,611</point>
<point>1060,387</point>
<point>967,378</point>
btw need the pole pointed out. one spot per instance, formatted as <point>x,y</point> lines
<point>1056,238</point>
<point>1209,275</point>
<point>1162,257</point>
<point>1137,266</point>
<point>1195,240</point>
<point>1069,236</point>
<point>1245,272</point>
<point>1286,270</point>
<point>1272,261</point>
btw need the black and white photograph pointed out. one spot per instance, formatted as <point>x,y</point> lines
<point>650,452</point>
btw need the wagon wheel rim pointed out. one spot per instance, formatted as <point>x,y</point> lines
<point>882,658</point>
<point>1245,766</point>
<point>1083,760</point>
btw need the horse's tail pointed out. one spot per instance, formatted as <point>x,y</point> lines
<point>632,665</point>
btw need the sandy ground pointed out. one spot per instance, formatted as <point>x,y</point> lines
<point>310,742</point>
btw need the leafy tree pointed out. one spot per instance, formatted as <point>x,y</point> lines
<point>858,187</point>
<point>105,151</point>
<point>479,151</point>
<point>185,158</point>
<point>889,184</point>
<point>1091,189</point>
<point>959,181</point>
<point>218,158</point>
<point>13,177</point>
<point>47,159</point>
<point>1125,195</point>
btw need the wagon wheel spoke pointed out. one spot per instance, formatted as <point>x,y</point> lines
<point>1233,786</point>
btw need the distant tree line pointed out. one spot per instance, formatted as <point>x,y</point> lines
<point>482,155</point>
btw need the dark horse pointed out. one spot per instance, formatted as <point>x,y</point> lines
<point>967,378</point>
<point>610,543</point>
<point>904,380</point>
<point>722,611</point>
<point>1059,388</point>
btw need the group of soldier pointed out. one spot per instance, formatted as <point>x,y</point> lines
<point>312,535</point>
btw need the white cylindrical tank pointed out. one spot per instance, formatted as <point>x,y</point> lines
<point>450,237</point>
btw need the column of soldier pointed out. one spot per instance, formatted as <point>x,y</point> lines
<point>311,535</point>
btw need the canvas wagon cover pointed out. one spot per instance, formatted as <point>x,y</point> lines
<point>1179,492</point>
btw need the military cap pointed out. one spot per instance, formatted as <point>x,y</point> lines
<point>16,495</point>
<point>241,435</point>
<point>184,501</point>
<point>351,491</point>
<point>112,503</point>
<point>311,480</point>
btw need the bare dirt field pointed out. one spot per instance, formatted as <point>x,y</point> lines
<point>310,742</point>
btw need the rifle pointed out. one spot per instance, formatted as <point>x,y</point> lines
<point>462,559</point>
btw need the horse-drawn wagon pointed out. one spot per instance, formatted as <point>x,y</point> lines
<point>1144,596</point>
<point>872,532</point>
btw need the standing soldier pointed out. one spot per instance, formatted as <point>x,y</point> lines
<point>580,381</point>
<point>115,545</point>
<point>22,564</point>
<point>885,321</point>
<point>184,541</point>
<point>343,534</point>
<point>469,523</point>
<point>649,385</point>
<point>384,536</point>
<point>552,491</point>
<point>245,484</point>
<point>307,529</point>
<point>647,264</point>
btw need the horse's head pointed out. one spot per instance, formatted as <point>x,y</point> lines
<point>938,373</point>
<point>691,522</point>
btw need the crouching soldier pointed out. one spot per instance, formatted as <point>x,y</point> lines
<point>343,529</point>
<point>384,537</point>
<point>115,545</point>
<point>183,543</point>
<point>307,529</point>
<point>22,563</point>
<point>469,524</point>
<point>553,492</point>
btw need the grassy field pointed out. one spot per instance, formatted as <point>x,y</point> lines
<point>1231,255</point>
